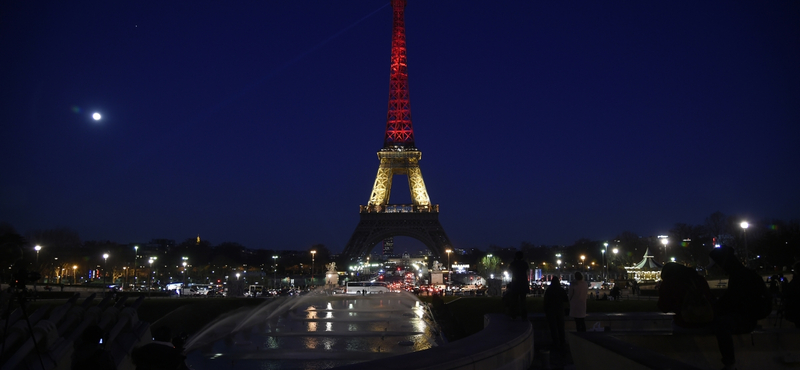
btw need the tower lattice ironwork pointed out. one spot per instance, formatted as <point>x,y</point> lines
<point>399,156</point>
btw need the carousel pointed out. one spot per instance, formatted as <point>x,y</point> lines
<point>646,270</point>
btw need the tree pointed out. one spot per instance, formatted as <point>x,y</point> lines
<point>228,254</point>
<point>691,243</point>
<point>489,266</point>
<point>717,226</point>
<point>11,245</point>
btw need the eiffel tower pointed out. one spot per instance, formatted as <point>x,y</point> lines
<point>379,218</point>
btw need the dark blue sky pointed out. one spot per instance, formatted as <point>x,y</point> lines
<point>258,122</point>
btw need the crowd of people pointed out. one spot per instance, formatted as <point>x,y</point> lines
<point>684,292</point>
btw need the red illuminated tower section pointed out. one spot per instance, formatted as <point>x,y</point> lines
<point>399,130</point>
<point>381,219</point>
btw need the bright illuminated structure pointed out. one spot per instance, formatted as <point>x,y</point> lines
<point>399,156</point>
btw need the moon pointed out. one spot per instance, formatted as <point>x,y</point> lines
<point>96,116</point>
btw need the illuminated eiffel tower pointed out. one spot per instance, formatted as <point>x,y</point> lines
<point>379,218</point>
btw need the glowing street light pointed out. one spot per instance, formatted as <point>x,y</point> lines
<point>313,254</point>
<point>615,251</point>
<point>37,248</point>
<point>665,241</point>
<point>105,266</point>
<point>449,276</point>
<point>150,288</point>
<point>135,263</point>
<point>744,226</point>
<point>74,269</point>
<point>605,267</point>
<point>274,271</point>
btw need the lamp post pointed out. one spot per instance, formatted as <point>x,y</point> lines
<point>105,266</point>
<point>558,261</point>
<point>615,250</point>
<point>449,276</point>
<point>135,263</point>
<point>74,269</point>
<point>583,261</point>
<point>150,288</point>
<point>125,271</point>
<point>313,254</point>
<point>665,241</point>
<point>37,248</point>
<point>274,271</point>
<point>744,226</point>
<point>605,267</point>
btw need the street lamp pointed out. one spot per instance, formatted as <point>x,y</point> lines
<point>665,241</point>
<point>615,251</point>
<point>583,260</point>
<point>605,267</point>
<point>449,276</point>
<point>150,288</point>
<point>313,254</point>
<point>125,270</point>
<point>74,268</point>
<point>274,271</point>
<point>744,226</point>
<point>37,248</point>
<point>105,266</point>
<point>185,275</point>
<point>135,263</point>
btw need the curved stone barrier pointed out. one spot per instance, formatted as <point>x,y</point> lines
<point>503,344</point>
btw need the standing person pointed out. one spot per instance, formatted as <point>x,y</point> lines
<point>578,292</point>
<point>90,353</point>
<point>519,287</point>
<point>554,298</point>
<point>160,354</point>
<point>740,307</point>
<point>680,283</point>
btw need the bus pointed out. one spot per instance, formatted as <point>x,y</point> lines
<point>366,287</point>
<point>255,291</point>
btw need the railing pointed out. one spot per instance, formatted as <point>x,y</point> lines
<point>399,208</point>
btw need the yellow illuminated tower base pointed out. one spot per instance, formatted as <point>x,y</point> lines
<point>381,219</point>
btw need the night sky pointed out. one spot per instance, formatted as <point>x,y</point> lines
<point>258,122</point>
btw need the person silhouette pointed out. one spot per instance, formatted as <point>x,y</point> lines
<point>89,352</point>
<point>519,287</point>
<point>736,310</point>
<point>578,293</point>
<point>554,299</point>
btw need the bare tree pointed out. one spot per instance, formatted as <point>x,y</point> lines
<point>717,225</point>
